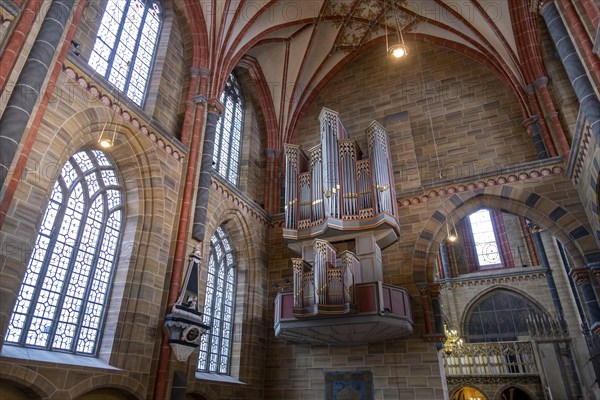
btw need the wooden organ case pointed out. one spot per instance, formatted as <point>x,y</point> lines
<point>338,201</point>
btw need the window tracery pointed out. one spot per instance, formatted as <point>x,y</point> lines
<point>125,45</point>
<point>228,138</point>
<point>215,346</point>
<point>62,301</point>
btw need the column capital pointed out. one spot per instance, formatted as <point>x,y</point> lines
<point>200,100</point>
<point>530,121</point>
<point>540,82</point>
<point>543,4</point>
<point>215,106</point>
<point>435,291</point>
<point>529,89</point>
<point>581,276</point>
<point>198,71</point>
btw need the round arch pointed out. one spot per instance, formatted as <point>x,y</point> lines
<point>565,227</point>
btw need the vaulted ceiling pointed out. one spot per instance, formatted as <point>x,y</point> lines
<point>299,44</point>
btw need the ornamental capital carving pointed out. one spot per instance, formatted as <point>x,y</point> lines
<point>215,106</point>
<point>435,291</point>
<point>423,290</point>
<point>581,276</point>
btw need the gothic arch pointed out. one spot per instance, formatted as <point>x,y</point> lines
<point>500,391</point>
<point>572,233</point>
<point>139,165</point>
<point>126,384</point>
<point>251,275</point>
<point>472,302</point>
<point>27,377</point>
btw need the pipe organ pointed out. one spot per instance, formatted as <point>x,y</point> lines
<point>327,286</point>
<point>334,184</point>
<point>340,212</point>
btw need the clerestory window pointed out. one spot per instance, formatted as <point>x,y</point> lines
<point>484,239</point>
<point>228,137</point>
<point>62,301</point>
<point>125,45</point>
<point>219,305</point>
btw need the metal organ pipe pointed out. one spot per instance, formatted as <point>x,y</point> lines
<point>317,183</point>
<point>338,184</point>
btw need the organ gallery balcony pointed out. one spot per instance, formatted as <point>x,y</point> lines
<point>380,312</point>
<point>340,213</point>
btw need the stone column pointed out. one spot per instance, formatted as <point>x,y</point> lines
<point>436,305</point>
<point>445,261</point>
<point>533,128</point>
<point>27,90</point>
<point>547,142</point>
<point>426,309</point>
<point>590,106</point>
<point>214,110</point>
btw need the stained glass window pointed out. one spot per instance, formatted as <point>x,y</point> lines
<point>215,346</point>
<point>228,137</point>
<point>62,300</point>
<point>125,44</point>
<point>484,238</point>
<point>500,316</point>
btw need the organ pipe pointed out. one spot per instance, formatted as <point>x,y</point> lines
<point>334,181</point>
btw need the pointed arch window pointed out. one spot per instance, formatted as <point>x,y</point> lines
<point>62,301</point>
<point>215,346</point>
<point>484,239</point>
<point>125,45</point>
<point>501,315</point>
<point>228,137</point>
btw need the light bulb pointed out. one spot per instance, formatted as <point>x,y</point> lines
<point>452,237</point>
<point>105,143</point>
<point>398,51</point>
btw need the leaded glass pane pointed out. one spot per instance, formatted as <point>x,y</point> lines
<point>215,346</point>
<point>64,292</point>
<point>484,238</point>
<point>125,45</point>
<point>227,150</point>
<point>500,316</point>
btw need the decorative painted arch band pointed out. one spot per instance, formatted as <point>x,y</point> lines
<point>574,235</point>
